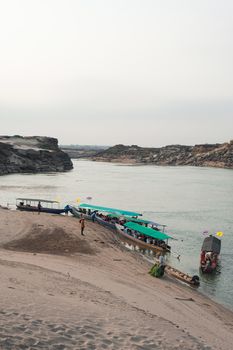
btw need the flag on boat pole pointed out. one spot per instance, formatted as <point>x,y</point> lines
<point>219,234</point>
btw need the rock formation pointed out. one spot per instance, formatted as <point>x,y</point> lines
<point>210,155</point>
<point>32,155</point>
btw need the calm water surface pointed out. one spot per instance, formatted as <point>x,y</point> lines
<point>189,200</point>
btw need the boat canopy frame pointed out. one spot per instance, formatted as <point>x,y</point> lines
<point>147,231</point>
<point>211,244</point>
<point>36,200</point>
<point>109,210</point>
<point>140,221</point>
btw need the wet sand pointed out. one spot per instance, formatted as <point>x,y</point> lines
<point>60,290</point>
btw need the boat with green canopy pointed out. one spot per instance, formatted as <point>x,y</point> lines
<point>147,223</point>
<point>86,210</point>
<point>109,210</point>
<point>109,220</point>
<point>145,237</point>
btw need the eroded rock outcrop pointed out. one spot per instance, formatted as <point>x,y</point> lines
<point>35,154</point>
<point>211,155</point>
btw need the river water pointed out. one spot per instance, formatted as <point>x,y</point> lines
<point>190,200</point>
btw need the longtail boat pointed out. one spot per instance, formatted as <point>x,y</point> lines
<point>86,211</point>
<point>39,205</point>
<point>112,216</point>
<point>193,281</point>
<point>210,254</point>
<point>144,237</point>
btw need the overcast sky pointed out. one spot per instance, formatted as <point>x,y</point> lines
<point>146,72</point>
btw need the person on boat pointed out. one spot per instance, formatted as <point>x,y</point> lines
<point>39,206</point>
<point>208,264</point>
<point>67,209</point>
<point>93,215</point>
<point>82,222</point>
<point>208,256</point>
<point>215,257</point>
<point>203,256</point>
<point>163,245</point>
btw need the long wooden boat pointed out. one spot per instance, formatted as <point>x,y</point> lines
<point>158,270</point>
<point>78,213</point>
<point>121,230</point>
<point>184,277</point>
<point>84,210</point>
<point>209,257</point>
<point>46,206</point>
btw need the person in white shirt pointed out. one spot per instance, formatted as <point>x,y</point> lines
<point>161,260</point>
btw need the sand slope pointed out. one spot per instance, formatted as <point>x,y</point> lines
<point>60,290</point>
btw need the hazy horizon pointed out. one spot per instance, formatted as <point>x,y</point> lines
<point>107,72</point>
<point>99,145</point>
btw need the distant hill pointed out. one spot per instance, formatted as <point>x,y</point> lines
<point>82,151</point>
<point>33,154</point>
<point>210,155</point>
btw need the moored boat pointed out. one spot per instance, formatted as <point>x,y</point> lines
<point>184,277</point>
<point>87,210</point>
<point>39,205</point>
<point>210,251</point>
<point>144,237</point>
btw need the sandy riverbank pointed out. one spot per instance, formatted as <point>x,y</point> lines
<point>60,290</point>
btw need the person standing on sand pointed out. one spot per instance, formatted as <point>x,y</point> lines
<point>39,206</point>
<point>161,260</point>
<point>82,222</point>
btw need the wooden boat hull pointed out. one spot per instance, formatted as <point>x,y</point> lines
<point>207,270</point>
<point>43,210</point>
<point>105,223</point>
<point>139,243</point>
<point>192,281</point>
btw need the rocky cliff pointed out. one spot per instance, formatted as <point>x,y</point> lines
<point>210,155</point>
<point>31,155</point>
